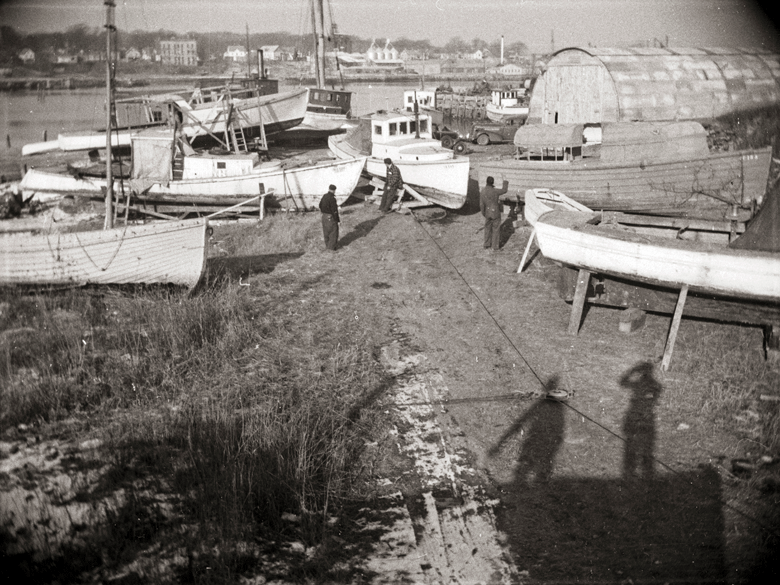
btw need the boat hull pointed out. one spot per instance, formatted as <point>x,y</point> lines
<point>502,113</point>
<point>567,237</point>
<point>444,181</point>
<point>275,112</point>
<point>157,253</point>
<point>295,187</point>
<point>705,187</point>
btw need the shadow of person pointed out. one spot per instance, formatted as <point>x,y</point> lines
<point>360,230</point>
<point>506,230</point>
<point>541,428</point>
<point>639,422</point>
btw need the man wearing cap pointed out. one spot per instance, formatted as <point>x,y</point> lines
<point>393,182</point>
<point>490,207</point>
<point>330,218</point>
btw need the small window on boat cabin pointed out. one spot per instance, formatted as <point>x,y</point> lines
<point>330,97</point>
<point>403,128</point>
<point>412,127</point>
<point>378,129</point>
<point>424,125</point>
<point>221,165</point>
<point>316,95</point>
<point>393,126</point>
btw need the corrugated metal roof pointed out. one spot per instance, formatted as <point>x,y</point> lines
<point>652,83</point>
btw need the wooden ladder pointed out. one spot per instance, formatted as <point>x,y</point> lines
<point>234,132</point>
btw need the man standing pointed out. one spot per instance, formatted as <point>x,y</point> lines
<point>489,205</point>
<point>393,182</point>
<point>330,218</point>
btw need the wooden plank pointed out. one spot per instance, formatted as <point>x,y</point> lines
<point>527,248</point>
<point>678,311</point>
<point>579,301</point>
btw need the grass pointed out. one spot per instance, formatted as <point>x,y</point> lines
<point>230,399</point>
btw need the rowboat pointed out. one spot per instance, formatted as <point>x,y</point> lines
<point>406,138</point>
<point>581,239</point>
<point>171,252</point>
<point>661,168</point>
<point>162,175</point>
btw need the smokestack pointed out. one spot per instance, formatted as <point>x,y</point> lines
<point>502,50</point>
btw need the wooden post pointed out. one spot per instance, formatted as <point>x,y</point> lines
<point>579,301</point>
<point>527,248</point>
<point>678,311</point>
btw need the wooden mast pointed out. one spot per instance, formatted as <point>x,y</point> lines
<point>319,36</point>
<point>110,28</point>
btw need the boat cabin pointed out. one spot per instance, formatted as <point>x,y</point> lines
<point>330,101</point>
<point>156,160</point>
<point>395,127</point>
<point>425,99</point>
<point>612,142</point>
<point>507,97</point>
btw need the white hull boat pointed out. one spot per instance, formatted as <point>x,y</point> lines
<point>579,239</point>
<point>156,253</point>
<point>206,178</point>
<point>434,171</point>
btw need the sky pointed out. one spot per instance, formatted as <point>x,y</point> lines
<point>540,24</point>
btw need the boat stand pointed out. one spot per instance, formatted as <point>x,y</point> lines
<point>419,199</point>
<point>578,305</point>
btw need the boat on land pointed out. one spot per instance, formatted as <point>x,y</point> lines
<point>747,268</point>
<point>171,252</point>
<point>507,104</point>
<point>662,168</point>
<point>329,110</point>
<point>167,174</point>
<point>431,170</point>
<point>168,252</point>
<point>203,117</point>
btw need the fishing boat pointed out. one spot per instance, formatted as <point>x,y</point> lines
<point>435,172</point>
<point>661,168</point>
<point>202,117</point>
<point>167,173</point>
<point>329,110</point>
<point>163,252</point>
<point>507,104</point>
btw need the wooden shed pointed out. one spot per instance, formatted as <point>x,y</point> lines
<point>592,85</point>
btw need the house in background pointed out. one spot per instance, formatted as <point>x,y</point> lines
<point>235,53</point>
<point>132,54</point>
<point>27,56</point>
<point>271,52</point>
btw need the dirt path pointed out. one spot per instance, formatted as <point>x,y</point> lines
<point>495,341</point>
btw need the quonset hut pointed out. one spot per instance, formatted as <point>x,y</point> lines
<point>593,85</point>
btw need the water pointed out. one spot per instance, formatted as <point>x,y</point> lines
<point>26,116</point>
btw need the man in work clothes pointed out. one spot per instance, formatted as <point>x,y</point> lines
<point>490,207</point>
<point>393,182</point>
<point>330,218</point>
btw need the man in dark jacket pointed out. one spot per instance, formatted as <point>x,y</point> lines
<point>490,207</point>
<point>393,182</point>
<point>330,218</point>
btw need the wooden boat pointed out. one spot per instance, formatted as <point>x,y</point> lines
<point>506,104</point>
<point>640,167</point>
<point>162,175</point>
<point>430,169</point>
<point>583,240</point>
<point>328,110</point>
<point>172,252</point>
<point>202,118</point>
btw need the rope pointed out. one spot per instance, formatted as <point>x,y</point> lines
<point>498,397</point>
<point>110,260</point>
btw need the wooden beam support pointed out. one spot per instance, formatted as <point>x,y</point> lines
<point>578,304</point>
<point>678,311</point>
<point>527,249</point>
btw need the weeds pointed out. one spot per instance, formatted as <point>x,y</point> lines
<point>253,405</point>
